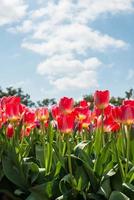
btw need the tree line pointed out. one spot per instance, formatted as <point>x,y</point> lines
<point>26,99</point>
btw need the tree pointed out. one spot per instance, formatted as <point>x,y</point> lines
<point>130,94</point>
<point>46,102</point>
<point>116,101</point>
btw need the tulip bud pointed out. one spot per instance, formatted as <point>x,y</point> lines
<point>66,105</point>
<point>10,131</point>
<point>127,114</point>
<point>101,99</point>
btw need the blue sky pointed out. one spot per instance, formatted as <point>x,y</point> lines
<point>67,47</point>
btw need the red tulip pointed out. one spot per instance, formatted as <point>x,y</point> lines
<point>29,117</point>
<point>66,105</point>
<point>101,99</point>
<point>82,113</point>
<point>66,123</point>
<point>107,111</point>
<point>127,115</point>
<point>42,114</point>
<point>27,130</point>
<point>128,102</point>
<point>84,103</point>
<point>84,124</point>
<point>55,111</point>
<point>109,125</point>
<point>10,131</point>
<point>117,114</point>
<point>12,108</point>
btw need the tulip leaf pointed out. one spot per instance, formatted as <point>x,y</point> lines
<point>105,188</point>
<point>128,189</point>
<point>103,159</point>
<point>40,155</point>
<point>12,171</point>
<point>118,195</point>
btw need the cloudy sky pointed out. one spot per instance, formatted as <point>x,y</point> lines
<point>52,48</point>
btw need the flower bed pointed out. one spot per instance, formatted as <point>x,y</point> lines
<point>67,152</point>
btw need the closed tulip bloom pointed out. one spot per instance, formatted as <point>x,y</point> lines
<point>12,107</point>
<point>10,131</point>
<point>127,115</point>
<point>66,105</point>
<point>101,99</point>
<point>66,123</point>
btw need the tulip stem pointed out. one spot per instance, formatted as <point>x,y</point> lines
<point>128,148</point>
<point>69,156</point>
<point>102,128</point>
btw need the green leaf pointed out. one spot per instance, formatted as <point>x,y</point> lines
<point>70,194</point>
<point>91,175</point>
<point>105,188</point>
<point>128,189</point>
<point>31,170</point>
<point>98,141</point>
<point>79,173</point>
<point>58,155</point>
<point>66,183</point>
<point>43,191</point>
<point>40,155</point>
<point>81,151</point>
<point>116,181</point>
<point>13,171</point>
<point>118,196</point>
<point>103,159</point>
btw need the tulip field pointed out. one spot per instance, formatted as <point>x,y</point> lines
<point>68,151</point>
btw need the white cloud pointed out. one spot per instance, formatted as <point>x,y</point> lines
<point>83,80</point>
<point>66,72</point>
<point>61,32</point>
<point>74,38</point>
<point>26,27</point>
<point>65,64</point>
<point>11,11</point>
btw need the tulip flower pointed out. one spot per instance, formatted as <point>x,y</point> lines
<point>42,114</point>
<point>55,111</point>
<point>66,105</point>
<point>82,113</point>
<point>107,111</point>
<point>29,117</point>
<point>127,114</point>
<point>128,102</point>
<point>66,123</point>
<point>109,125</point>
<point>84,103</point>
<point>101,99</point>
<point>84,124</point>
<point>117,114</point>
<point>12,107</point>
<point>10,131</point>
<point>27,130</point>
